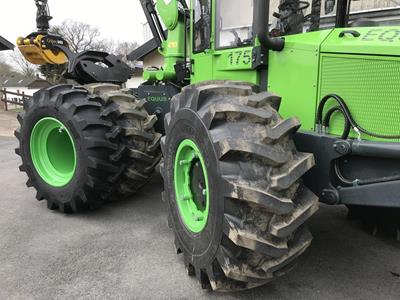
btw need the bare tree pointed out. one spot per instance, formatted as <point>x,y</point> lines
<point>5,67</point>
<point>80,36</point>
<point>124,48</point>
<point>23,66</point>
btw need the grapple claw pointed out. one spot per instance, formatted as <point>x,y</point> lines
<point>37,49</point>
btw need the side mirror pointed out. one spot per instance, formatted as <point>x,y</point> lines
<point>329,6</point>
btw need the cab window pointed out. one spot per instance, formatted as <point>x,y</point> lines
<point>234,23</point>
<point>202,25</point>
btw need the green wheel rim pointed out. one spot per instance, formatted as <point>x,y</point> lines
<point>191,186</point>
<point>53,152</point>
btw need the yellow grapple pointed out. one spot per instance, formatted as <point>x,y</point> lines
<point>35,51</point>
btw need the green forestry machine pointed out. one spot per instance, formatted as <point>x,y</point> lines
<point>241,174</point>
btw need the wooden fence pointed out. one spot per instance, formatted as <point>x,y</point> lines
<point>13,98</point>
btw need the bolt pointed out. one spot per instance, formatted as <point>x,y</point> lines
<point>204,192</point>
<point>186,198</point>
<point>60,130</point>
<point>198,217</point>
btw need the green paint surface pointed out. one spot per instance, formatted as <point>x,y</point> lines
<point>53,152</point>
<point>364,70</point>
<point>193,215</point>
<point>293,74</point>
<point>372,40</point>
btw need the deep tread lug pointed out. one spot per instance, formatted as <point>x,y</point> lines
<point>39,196</point>
<point>283,181</point>
<point>267,152</point>
<point>306,206</point>
<point>261,99</point>
<point>285,127</point>
<point>264,199</point>
<point>258,115</point>
<point>251,239</point>
<point>51,205</point>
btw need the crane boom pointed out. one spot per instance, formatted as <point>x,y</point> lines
<point>42,15</point>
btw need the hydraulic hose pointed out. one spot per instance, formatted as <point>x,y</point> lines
<point>323,122</point>
<point>343,108</point>
<point>356,182</point>
<point>328,115</point>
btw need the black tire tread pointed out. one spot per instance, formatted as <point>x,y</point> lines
<point>264,216</point>
<point>117,133</point>
<point>74,101</point>
<point>138,150</point>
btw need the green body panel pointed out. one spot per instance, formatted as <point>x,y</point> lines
<point>224,64</point>
<point>293,74</point>
<point>364,71</point>
<point>202,67</point>
<point>372,40</point>
<point>234,64</point>
<point>370,85</point>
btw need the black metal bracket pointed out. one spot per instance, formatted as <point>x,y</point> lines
<point>354,33</point>
<point>157,100</point>
<point>94,66</point>
<point>260,58</point>
<point>322,179</point>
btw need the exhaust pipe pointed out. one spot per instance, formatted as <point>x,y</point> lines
<point>261,27</point>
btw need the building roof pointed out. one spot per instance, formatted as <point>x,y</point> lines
<point>143,50</point>
<point>16,80</point>
<point>5,45</point>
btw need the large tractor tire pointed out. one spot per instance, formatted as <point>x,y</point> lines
<point>232,184</point>
<point>133,131</point>
<point>75,146</point>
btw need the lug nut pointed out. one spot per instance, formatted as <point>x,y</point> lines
<point>183,162</point>
<point>198,217</point>
<point>186,198</point>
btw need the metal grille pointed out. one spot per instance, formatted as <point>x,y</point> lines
<point>371,88</point>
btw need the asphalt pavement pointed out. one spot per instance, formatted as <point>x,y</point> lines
<point>125,251</point>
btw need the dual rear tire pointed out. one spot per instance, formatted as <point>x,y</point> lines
<point>81,146</point>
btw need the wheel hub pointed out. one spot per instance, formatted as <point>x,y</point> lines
<point>53,152</point>
<point>191,186</point>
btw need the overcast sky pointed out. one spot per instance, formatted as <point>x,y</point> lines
<point>118,19</point>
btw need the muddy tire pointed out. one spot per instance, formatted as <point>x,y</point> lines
<point>133,131</point>
<point>71,147</point>
<point>255,203</point>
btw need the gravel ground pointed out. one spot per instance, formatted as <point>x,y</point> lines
<point>8,122</point>
<point>125,251</point>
